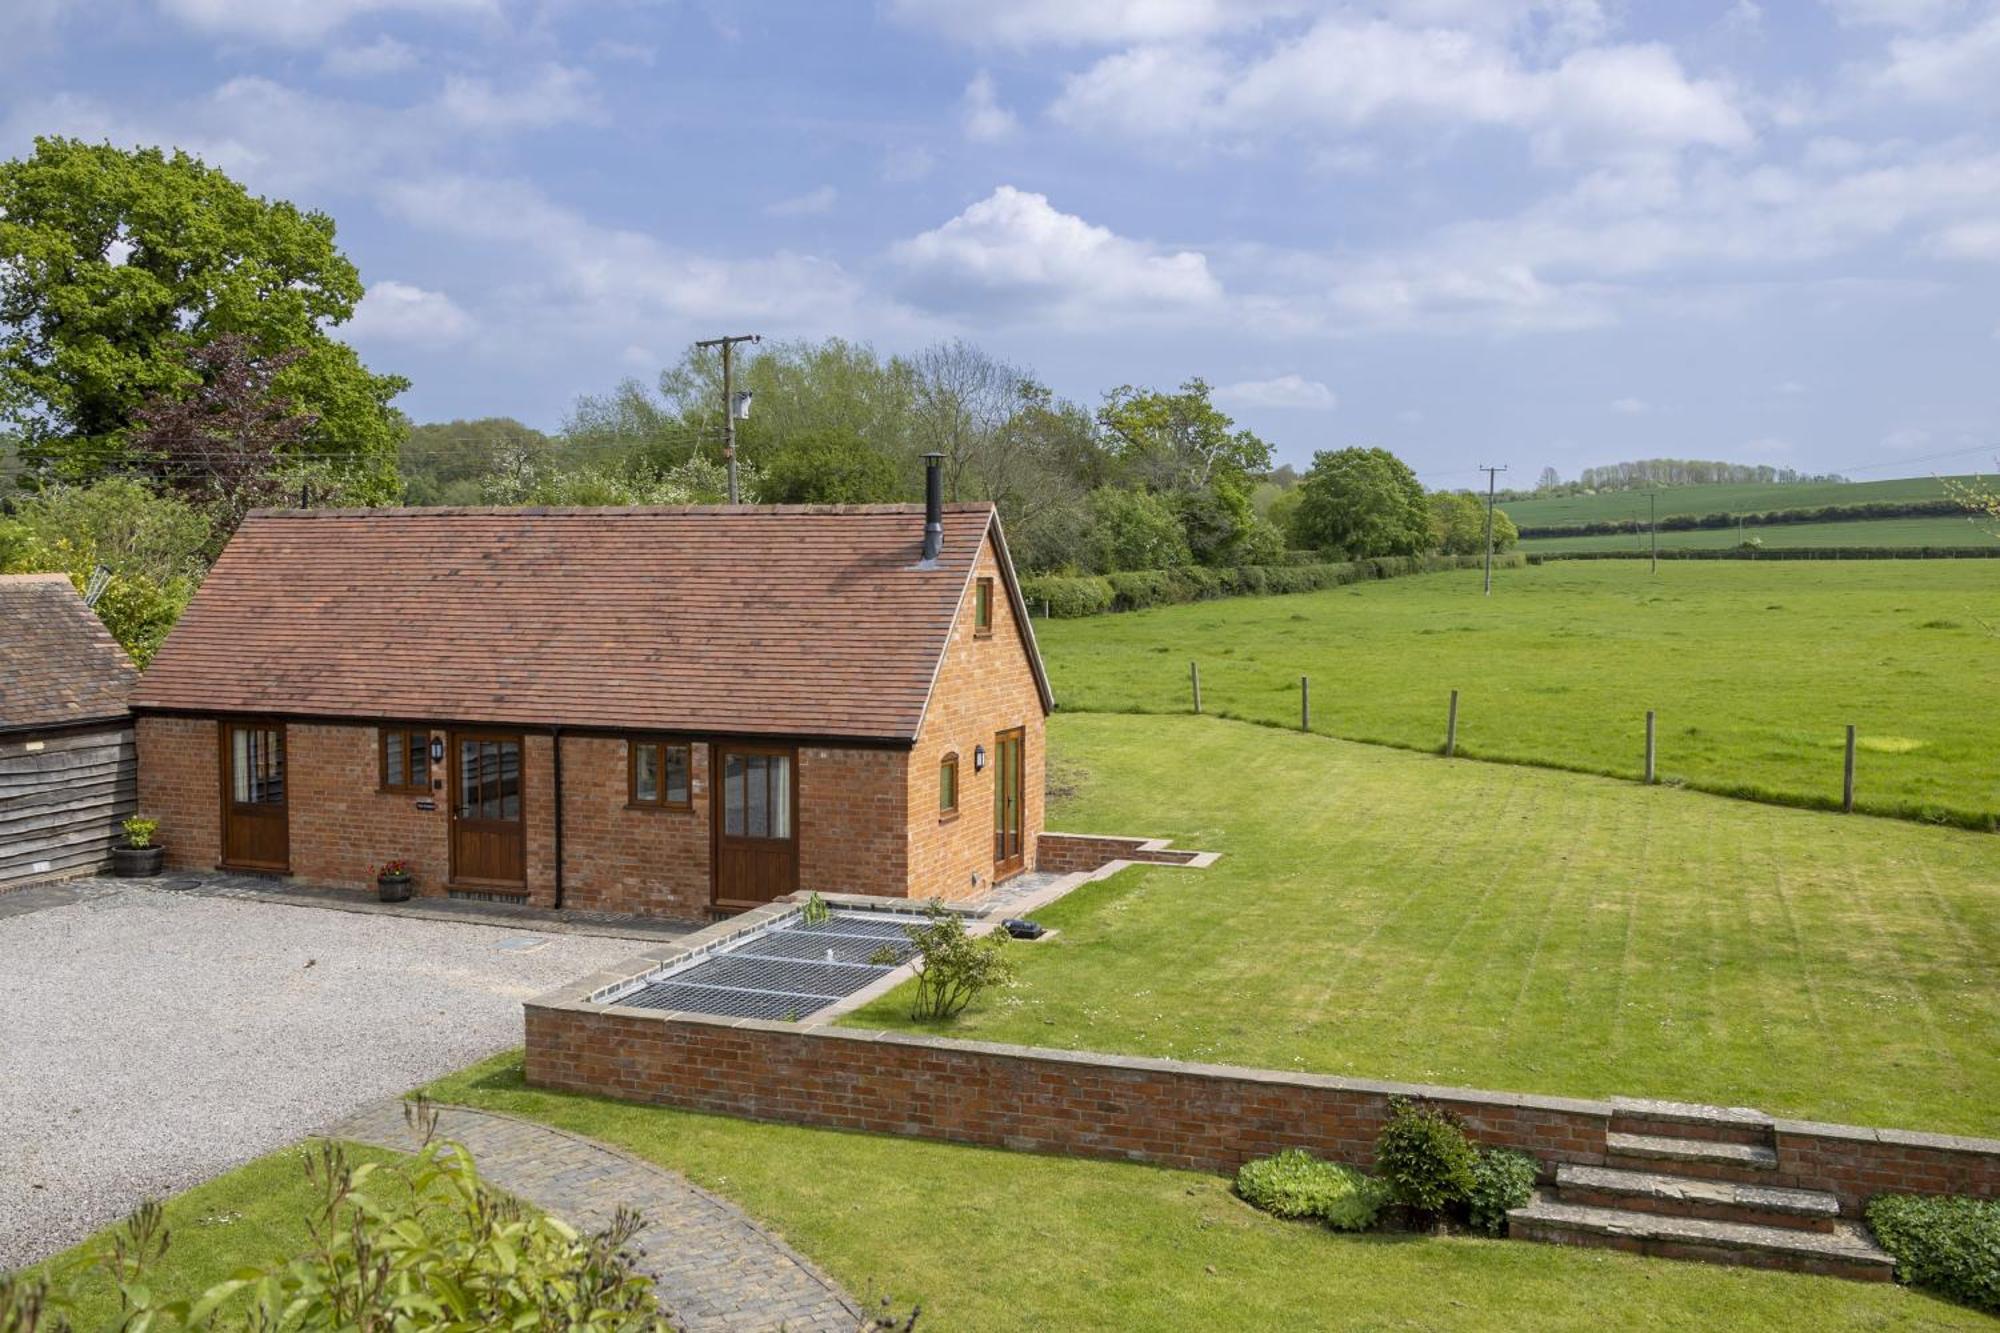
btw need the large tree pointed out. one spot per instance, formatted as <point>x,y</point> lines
<point>1362,502</point>
<point>1183,448</point>
<point>115,264</point>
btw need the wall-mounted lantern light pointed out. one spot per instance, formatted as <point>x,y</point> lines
<point>437,749</point>
<point>979,759</point>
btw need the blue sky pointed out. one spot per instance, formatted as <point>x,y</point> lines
<point>1473,231</point>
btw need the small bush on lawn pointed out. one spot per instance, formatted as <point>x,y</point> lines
<point>1501,1179</point>
<point>1296,1184</point>
<point>953,968</point>
<point>1424,1157</point>
<point>444,1251</point>
<point>1951,1245</point>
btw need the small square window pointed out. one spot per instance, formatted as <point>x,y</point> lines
<point>982,608</point>
<point>948,786</point>
<point>659,775</point>
<point>406,759</point>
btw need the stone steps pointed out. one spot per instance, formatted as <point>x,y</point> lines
<point>1846,1251</point>
<point>1689,1156</point>
<point>1681,1196</point>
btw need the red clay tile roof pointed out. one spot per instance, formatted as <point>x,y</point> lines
<point>58,664</point>
<point>775,620</point>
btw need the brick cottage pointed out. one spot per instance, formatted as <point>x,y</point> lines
<point>671,711</point>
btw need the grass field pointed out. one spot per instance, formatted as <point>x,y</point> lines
<point>1754,668</point>
<point>1392,915</point>
<point>990,1240</point>
<point>249,1218</point>
<point>1863,533</point>
<point>1619,506</point>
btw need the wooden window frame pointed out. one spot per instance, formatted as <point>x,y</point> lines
<point>660,800</point>
<point>947,813</point>
<point>982,609</point>
<point>408,787</point>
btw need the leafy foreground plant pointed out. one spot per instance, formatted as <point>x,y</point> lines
<point>1294,1183</point>
<point>1951,1245</point>
<point>1502,1179</point>
<point>952,967</point>
<point>1424,1158</point>
<point>451,1255</point>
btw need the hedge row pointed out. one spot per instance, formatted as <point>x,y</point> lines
<point>1783,553</point>
<point>1871,509</point>
<point>1067,597</point>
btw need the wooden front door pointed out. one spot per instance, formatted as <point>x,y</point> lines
<point>255,832</point>
<point>756,823</point>
<point>1009,747</point>
<point>487,844</point>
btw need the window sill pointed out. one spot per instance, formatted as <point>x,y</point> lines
<point>654,808</point>
<point>948,817</point>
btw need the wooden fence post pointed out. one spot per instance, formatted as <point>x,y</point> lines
<point>1451,727</point>
<point>1847,775</point>
<point>1305,704</point>
<point>1651,749</point>
<point>1194,678</point>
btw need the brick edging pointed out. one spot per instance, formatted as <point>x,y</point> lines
<point>1175,1113</point>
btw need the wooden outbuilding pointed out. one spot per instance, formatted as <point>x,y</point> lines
<point>67,772</point>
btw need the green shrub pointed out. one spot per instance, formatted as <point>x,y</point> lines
<point>1501,1179</point>
<point>952,967</point>
<point>1296,1184</point>
<point>1424,1157</point>
<point>1065,597</point>
<point>1950,1244</point>
<point>440,1250</point>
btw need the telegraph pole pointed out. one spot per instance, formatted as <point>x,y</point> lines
<point>1653,522</point>
<point>726,342</point>
<point>1491,474</point>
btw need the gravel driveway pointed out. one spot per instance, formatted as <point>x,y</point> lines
<point>151,1039</point>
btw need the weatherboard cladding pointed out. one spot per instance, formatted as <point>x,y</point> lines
<point>774,620</point>
<point>58,665</point>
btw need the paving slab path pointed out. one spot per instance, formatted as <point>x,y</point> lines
<point>717,1270</point>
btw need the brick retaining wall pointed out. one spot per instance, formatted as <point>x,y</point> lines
<point>1195,1117</point>
<point>1081,853</point>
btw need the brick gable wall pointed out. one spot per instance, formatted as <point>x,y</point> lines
<point>985,686</point>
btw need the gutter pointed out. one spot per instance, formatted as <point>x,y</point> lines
<point>555,736</point>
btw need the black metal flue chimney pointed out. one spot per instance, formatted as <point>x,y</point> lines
<point>933,506</point>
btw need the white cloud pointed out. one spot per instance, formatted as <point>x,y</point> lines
<point>1946,68</point>
<point>575,273</point>
<point>1905,438</point>
<point>1015,252</point>
<point>384,55</point>
<point>1293,391</point>
<point>813,203</point>
<point>1969,240</point>
<point>1914,14</point>
<point>1791,388</point>
<point>1631,407</point>
<point>300,22</point>
<point>1342,76</point>
<point>981,114</point>
<point>555,95</point>
<point>404,313</point>
<point>1083,22</point>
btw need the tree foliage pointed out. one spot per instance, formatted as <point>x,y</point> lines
<point>116,265</point>
<point>827,467</point>
<point>1458,524</point>
<point>1362,502</point>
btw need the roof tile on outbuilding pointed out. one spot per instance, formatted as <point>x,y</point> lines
<point>755,620</point>
<point>59,666</point>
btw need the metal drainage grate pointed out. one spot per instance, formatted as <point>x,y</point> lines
<point>790,971</point>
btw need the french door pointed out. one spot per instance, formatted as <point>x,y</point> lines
<point>487,843</point>
<point>256,833</point>
<point>1009,793</point>
<point>756,823</point>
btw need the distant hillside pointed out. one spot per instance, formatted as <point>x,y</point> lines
<point>1755,498</point>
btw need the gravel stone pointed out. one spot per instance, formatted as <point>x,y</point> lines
<point>151,1040</point>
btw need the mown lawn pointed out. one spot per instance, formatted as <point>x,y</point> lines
<point>1394,915</point>
<point>992,1240</point>
<point>251,1217</point>
<point>1755,669</point>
